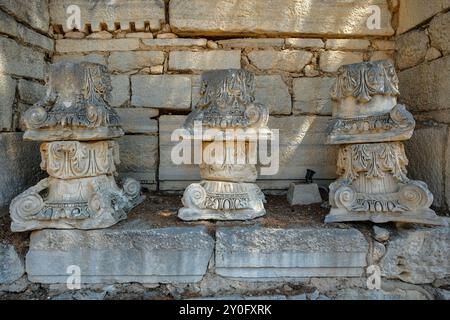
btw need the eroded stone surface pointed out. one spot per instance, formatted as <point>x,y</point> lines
<point>438,31</point>
<point>303,194</point>
<point>411,48</point>
<point>128,254</point>
<point>204,60</point>
<point>11,265</point>
<point>7,96</point>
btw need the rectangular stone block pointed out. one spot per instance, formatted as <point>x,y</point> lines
<point>139,156</point>
<point>19,167</point>
<point>413,12</point>
<point>19,60</point>
<point>129,61</point>
<point>285,60</point>
<point>30,92</point>
<point>120,93</point>
<point>7,96</point>
<point>34,13</point>
<point>303,194</point>
<point>347,44</point>
<point>330,61</point>
<point>106,12</point>
<point>138,120</point>
<point>161,91</point>
<point>304,43</point>
<point>87,45</point>
<point>426,87</point>
<point>283,17</point>
<point>251,43</point>
<point>177,42</point>
<point>312,95</point>
<point>121,254</point>
<point>256,253</point>
<point>10,26</point>
<point>273,93</point>
<point>204,60</point>
<point>76,57</point>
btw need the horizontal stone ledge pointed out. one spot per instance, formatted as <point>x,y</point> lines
<point>267,253</point>
<point>177,42</point>
<point>87,45</point>
<point>121,254</point>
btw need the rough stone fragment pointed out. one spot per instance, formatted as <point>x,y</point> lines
<point>312,95</point>
<point>255,252</point>
<point>138,120</point>
<point>10,26</point>
<point>11,265</point>
<point>141,35</point>
<point>418,255</point>
<point>439,34</point>
<point>123,12</point>
<point>120,93</point>
<point>425,87</point>
<point>304,43</point>
<point>100,35</point>
<point>251,43</point>
<point>93,57</point>
<point>285,60</point>
<point>432,54</point>
<point>239,17</point>
<point>411,49</point>
<point>330,61</point>
<point>178,42</point>
<point>414,12</point>
<point>347,44</point>
<point>19,167</point>
<point>204,60</point>
<point>126,254</point>
<point>20,60</point>
<point>273,92</point>
<point>163,92</point>
<point>381,234</point>
<point>166,35</point>
<point>128,61</point>
<point>7,96</point>
<point>383,55</point>
<point>86,45</point>
<point>30,92</point>
<point>34,13</point>
<point>303,194</point>
<point>383,44</point>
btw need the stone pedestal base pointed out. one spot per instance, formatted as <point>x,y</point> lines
<point>83,203</point>
<point>219,200</point>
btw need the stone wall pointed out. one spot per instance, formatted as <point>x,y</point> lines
<point>25,49</point>
<point>422,57</point>
<point>156,59</point>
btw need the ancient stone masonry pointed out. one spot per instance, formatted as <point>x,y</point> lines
<point>227,191</point>
<point>369,126</point>
<point>77,126</point>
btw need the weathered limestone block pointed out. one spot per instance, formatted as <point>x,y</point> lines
<point>227,190</point>
<point>425,87</point>
<point>138,120</point>
<point>330,61</point>
<point>204,60</point>
<point>237,17</point>
<point>129,61</point>
<point>312,95</point>
<point>370,125</point>
<point>104,12</point>
<point>19,167</point>
<point>286,60</point>
<point>251,43</point>
<point>10,26</point>
<point>19,60</point>
<point>81,191</point>
<point>273,92</point>
<point>174,42</point>
<point>411,49</point>
<point>161,91</point>
<point>414,12</point>
<point>304,43</point>
<point>418,255</point>
<point>120,90</point>
<point>87,45</point>
<point>30,92</point>
<point>438,31</point>
<point>76,57</point>
<point>11,265</point>
<point>7,96</point>
<point>125,254</point>
<point>347,44</point>
<point>255,253</point>
<point>303,194</point>
<point>35,13</point>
